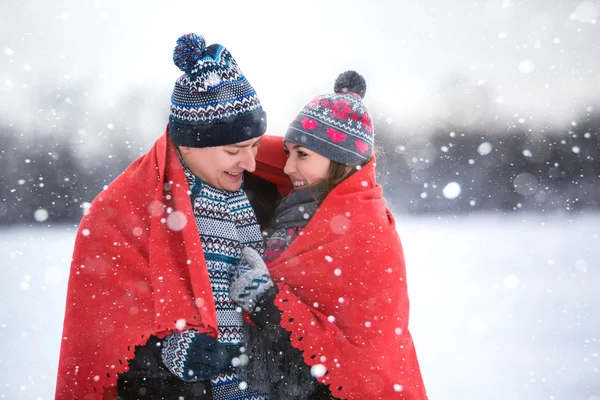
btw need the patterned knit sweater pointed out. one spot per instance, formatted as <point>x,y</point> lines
<point>226,224</point>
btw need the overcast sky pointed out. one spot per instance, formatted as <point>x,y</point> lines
<point>532,60</point>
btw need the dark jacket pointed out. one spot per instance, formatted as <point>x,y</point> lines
<point>275,367</point>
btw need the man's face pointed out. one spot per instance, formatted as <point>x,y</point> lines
<point>222,166</point>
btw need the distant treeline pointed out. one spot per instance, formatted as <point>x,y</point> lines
<point>463,169</point>
<point>453,170</point>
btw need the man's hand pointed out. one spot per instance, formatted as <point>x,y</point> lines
<point>197,357</point>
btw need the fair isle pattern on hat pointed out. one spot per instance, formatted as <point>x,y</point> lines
<point>213,104</point>
<point>337,126</point>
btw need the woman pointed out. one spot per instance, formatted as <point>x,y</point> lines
<point>331,308</point>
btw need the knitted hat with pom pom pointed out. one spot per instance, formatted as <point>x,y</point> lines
<point>212,103</point>
<point>337,126</point>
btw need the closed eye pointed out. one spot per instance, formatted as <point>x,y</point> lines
<point>301,154</point>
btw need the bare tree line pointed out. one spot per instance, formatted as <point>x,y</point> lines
<point>64,159</point>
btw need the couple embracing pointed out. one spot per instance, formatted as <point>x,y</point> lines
<point>229,264</point>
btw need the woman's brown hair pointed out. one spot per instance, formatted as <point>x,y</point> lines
<point>337,174</point>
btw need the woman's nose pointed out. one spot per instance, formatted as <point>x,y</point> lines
<point>290,167</point>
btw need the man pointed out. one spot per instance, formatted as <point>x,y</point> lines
<point>148,311</point>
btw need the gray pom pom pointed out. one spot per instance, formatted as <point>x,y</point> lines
<point>350,82</point>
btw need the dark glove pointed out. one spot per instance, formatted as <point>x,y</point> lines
<point>251,281</point>
<point>194,356</point>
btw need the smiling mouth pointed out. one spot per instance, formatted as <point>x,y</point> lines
<point>298,184</point>
<point>233,173</point>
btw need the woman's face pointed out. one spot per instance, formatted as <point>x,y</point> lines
<point>303,166</point>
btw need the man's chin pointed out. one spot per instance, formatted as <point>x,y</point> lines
<point>231,187</point>
<point>231,183</point>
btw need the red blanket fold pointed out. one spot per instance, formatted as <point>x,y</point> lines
<point>270,161</point>
<point>344,298</point>
<point>137,270</point>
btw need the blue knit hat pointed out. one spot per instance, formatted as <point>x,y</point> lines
<point>212,103</point>
<point>337,126</point>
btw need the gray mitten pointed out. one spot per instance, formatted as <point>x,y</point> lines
<point>252,280</point>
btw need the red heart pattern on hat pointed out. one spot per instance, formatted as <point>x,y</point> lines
<point>361,146</point>
<point>336,136</point>
<point>308,123</point>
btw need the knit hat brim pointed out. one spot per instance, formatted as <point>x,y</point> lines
<point>340,154</point>
<point>220,133</point>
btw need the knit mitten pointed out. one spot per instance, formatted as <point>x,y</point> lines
<point>252,280</point>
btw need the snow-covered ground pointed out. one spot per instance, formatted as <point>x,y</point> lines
<point>503,308</point>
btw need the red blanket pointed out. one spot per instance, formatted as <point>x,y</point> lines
<point>344,299</point>
<point>138,270</point>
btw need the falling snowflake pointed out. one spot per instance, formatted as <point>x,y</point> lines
<point>40,215</point>
<point>318,370</point>
<point>451,190</point>
<point>526,66</point>
<point>176,221</point>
